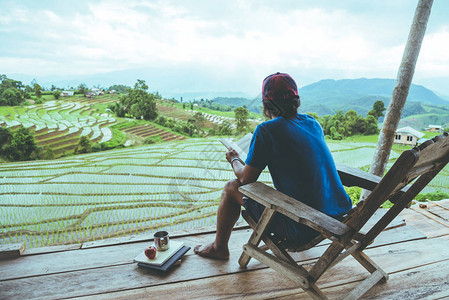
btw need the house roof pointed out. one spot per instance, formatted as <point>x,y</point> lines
<point>435,126</point>
<point>411,131</point>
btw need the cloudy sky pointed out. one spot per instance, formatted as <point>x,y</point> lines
<point>223,45</point>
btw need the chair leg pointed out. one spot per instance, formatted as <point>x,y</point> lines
<point>365,286</point>
<point>369,264</point>
<point>257,234</point>
<point>315,292</point>
<point>278,251</point>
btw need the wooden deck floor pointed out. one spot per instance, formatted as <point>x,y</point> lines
<point>415,254</point>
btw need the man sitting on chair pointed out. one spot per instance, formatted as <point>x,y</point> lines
<point>292,145</point>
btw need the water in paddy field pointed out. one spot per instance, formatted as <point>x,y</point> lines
<point>171,186</point>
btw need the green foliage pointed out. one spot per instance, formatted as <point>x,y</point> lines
<point>82,88</point>
<point>57,94</point>
<point>189,128</point>
<point>149,141</point>
<point>11,97</point>
<point>435,196</point>
<point>211,104</point>
<point>11,91</point>
<point>241,117</point>
<point>18,145</point>
<point>195,124</point>
<point>354,193</point>
<point>341,125</point>
<point>137,103</point>
<point>39,101</point>
<point>224,128</point>
<point>47,154</point>
<point>84,145</point>
<point>37,90</point>
<point>120,88</point>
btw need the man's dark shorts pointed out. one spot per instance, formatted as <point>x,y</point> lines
<point>291,233</point>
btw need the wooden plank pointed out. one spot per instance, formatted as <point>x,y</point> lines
<point>147,237</point>
<point>11,250</point>
<point>431,216</point>
<point>97,257</point>
<point>408,266</point>
<point>294,209</point>
<point>423,282</point>
<point>86,259</point>
<point>125,276</point>
<point>364,286</point>
<point>424,224</point>
<point>50,249</point>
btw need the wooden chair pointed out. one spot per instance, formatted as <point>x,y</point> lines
<point>417,166</point>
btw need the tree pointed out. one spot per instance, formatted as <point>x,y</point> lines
<point>5,139</point>
<point>57,94</point>
<point>400,91</point>
<point>21,145</point>
<point>119,88</point>
<point>11,97</point>
<point>378,108</point>
<point>241,117</point>
<point>145,108</point>
<point>37,90</point>
<point>11,91</point>
<point>82,88</point>
<point>225,128</point>
<point>138,102</point>
<point>84,145</point>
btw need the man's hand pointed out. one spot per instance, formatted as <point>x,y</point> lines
<point>231,154</point>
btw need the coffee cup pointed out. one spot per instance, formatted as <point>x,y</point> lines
<point>161,240</point>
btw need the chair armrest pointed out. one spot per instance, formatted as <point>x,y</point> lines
<point>294,209</point>
<point>355,177</point>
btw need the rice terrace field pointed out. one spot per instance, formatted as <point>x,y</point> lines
<point>60,124</point>
<point>170,186</point>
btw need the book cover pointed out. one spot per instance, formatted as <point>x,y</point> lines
<point>241,146</point>
<point>170,262</point>
<point>161,256</point>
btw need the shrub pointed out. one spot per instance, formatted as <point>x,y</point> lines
<point>148,141</point>
<point>354,193</point>
<point>435,196</point>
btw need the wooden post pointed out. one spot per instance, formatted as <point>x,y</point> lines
<point>400,92</point>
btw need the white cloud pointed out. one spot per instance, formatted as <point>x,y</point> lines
<point>237,36</point>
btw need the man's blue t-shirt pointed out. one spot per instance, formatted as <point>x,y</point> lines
<point>299,162</point>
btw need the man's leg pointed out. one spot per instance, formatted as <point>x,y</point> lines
<point>227,215</point>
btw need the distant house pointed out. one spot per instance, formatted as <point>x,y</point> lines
<point>407,136</point>
<point>67,93</point>
<point>435,128</point>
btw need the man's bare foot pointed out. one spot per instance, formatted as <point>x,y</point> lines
<point>210,251</point>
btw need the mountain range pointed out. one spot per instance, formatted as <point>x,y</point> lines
<point>328,96</point>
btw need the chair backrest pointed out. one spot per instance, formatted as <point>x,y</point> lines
<point>420,164</point>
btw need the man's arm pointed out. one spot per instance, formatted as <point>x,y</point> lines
<point>244,173</point>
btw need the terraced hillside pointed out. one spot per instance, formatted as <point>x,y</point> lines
<point>59,124</point>
<point>148,130</point>
<point>167,186</point>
